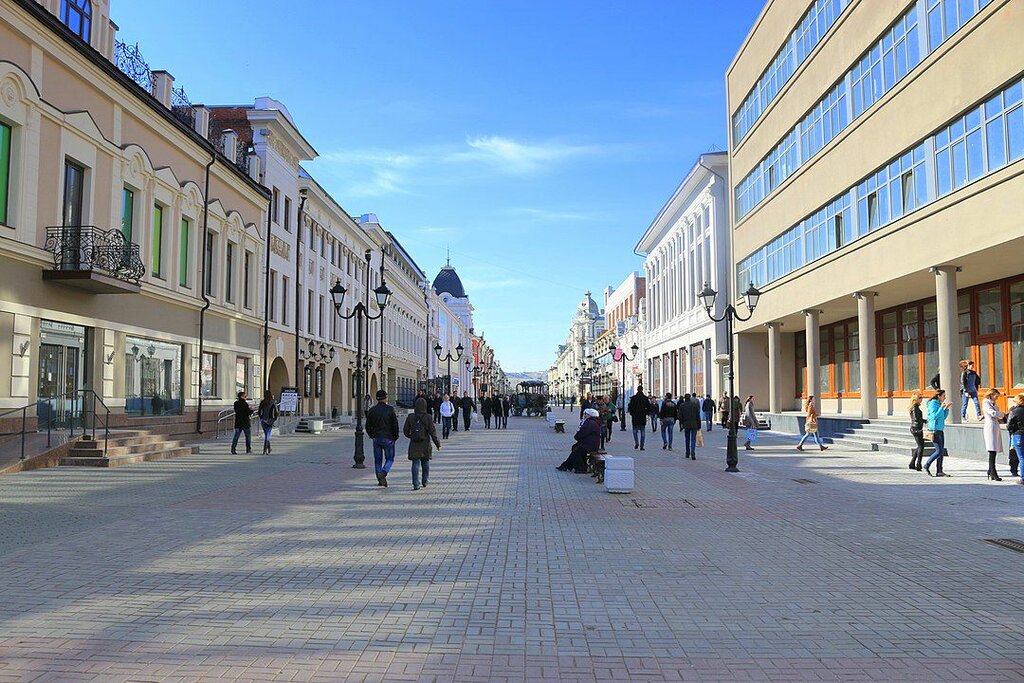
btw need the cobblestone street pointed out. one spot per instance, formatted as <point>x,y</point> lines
<point>805,566</point>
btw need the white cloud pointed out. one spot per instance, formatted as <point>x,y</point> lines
<point>520,158</point>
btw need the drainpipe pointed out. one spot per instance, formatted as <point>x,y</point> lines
<point>266,298</point>
<point>298,290</point>
<point>202,289</point>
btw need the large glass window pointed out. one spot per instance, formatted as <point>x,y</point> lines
<point>910,342</point>
<point>890,353</point>
<point>208,251</point>
<point>74,193</point>
<point>5,171</point>
<point>153,377</point>
<point>127,213</point>
<point>77,16</point>
<point>1017,334</point>
<point>247,280</point>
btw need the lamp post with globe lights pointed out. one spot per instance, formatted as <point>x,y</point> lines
<point>448,358</point>
<point>623,358</point>
<point>362,315</point>
<point>729,316</point>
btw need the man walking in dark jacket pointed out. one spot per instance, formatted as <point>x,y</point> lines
<point>639,405</point>
<point>708,408</point>
<point>243,425</point>
<point>486,406</point>
<point>435,407</point>
<point>468,406</point>
<point>689,420</point>
<point>382,427</point>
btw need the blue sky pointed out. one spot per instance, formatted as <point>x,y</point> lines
<point>537,140</point>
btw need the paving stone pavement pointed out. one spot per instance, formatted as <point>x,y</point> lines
<point>296,567</point>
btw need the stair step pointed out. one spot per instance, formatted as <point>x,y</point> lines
<point>112,451</point>
<point>129,458</point>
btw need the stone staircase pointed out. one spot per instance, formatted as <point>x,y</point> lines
<point>125,448</point>
<point>887,436</point>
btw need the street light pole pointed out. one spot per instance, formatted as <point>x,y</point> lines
<point>623,358</point>
<point>448,359</point>
<point>730,315</point>
<point>361,313</point>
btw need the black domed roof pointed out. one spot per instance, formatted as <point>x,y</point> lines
<point>448,281</point>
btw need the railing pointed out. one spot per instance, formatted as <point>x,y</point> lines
<point>87,248</point>
<point>24,422</point>
<point>222,417</point>
<point>129,60</point>
<point>86,395</point>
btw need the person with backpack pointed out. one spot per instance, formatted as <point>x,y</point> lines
<point>267,412</point>
<point>420,431</point>
<point>382,427</point>
<point>668,421</point>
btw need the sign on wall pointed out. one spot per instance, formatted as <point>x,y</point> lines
<point>289,401</point>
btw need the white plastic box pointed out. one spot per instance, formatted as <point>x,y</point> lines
<point>618,474</point>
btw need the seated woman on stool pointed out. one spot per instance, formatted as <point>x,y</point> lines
<point>588,440</point>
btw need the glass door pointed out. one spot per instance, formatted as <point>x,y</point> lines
<point>990,338</point>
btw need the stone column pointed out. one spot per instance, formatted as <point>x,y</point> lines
<point>866,341</point>
<point>774,362</point>
<point>946,310</point>
<point>813,352</point>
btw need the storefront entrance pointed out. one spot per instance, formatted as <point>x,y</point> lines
<point>61,374</point>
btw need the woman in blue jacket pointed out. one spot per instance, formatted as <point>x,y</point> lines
<point>938,411</point>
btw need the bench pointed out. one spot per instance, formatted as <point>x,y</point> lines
<point>595,465</point>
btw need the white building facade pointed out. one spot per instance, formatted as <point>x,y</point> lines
<point>686,246</point>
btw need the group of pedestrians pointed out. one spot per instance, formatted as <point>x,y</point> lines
<point>419,428</point>
<point>267,413</point>
<point>930,425</point>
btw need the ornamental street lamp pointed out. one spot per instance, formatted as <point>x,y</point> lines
<point>623,358</point>
<point>361,313</point>
<point>467,373</point>
<point>707,297</point>
<point>448,358</point>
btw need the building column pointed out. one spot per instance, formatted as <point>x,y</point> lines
<point>866,343</point>
<point>774,361</point>
<point>946,313</point>
<point>813,352</point>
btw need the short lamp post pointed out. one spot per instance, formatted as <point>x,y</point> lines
<point>362,315</point>
<point>448,358</point>
<point>730,315</point>
<point>623,358</point>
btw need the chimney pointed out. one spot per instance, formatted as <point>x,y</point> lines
<point>202,124</point>
<point>254,166</point>
<point>163,85</point>
<point>229,144</point>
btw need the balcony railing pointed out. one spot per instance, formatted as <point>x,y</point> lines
<point>86,248</point>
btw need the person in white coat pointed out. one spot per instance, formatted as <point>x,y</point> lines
<point>993,434</point>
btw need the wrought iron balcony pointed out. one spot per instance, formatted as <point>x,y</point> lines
<point>97,260</point>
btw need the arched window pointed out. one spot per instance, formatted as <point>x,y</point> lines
<point>77,15</point>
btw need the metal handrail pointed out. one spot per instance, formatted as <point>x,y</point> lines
<point>106,418</point>
<point>223,416</point>
<point>24,420</point>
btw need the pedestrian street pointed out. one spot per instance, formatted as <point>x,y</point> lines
<point>296,567</point>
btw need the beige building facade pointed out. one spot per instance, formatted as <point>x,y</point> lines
<point>878,191</point>
<point>133,244</point>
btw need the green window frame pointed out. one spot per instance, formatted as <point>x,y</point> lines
<point>158,240</point>
<point>183,253</point>
<point>5,171</point>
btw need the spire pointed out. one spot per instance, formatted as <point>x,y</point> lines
<point>448,258</point>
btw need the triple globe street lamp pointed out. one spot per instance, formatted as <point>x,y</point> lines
<point>729,316</point>
<point>361,312</point>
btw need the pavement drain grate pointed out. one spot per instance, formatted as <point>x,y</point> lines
<point>805,481</point>
<point>1008,543</point>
